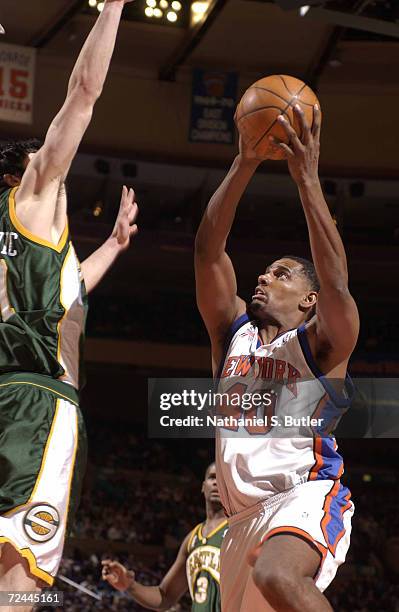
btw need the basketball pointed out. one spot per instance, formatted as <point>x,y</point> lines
<point>263,102</point>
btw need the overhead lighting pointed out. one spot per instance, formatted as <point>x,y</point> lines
<point>176,6</point>
<point>199,8</point>
<point>100,6</point>
<point>149,11</point>
<point>303,10</point>
<point>151,3</point>
<point>164,4</point>
<point>158,13</point>
<point>92,3</point>
<point>171,16</point>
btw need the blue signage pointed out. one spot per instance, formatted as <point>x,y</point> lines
<point>213,106</point>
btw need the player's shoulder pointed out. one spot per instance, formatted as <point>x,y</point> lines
<point>192,537</point>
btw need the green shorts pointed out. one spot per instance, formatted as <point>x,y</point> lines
<point>43,450</point>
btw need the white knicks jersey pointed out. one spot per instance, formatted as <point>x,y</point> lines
<point>269,445</point>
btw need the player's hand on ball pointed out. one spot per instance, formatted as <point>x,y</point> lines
<point>125,227</point>
<point>247,153</point>
<point>117,575</point>
<point>302,154</point>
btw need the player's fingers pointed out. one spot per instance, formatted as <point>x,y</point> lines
<point>132,213</point>
<point>305,128</point>
<point>291,133</point>
<point>131,195</point>
<point>133,230</point>
<point>287,150</point>
<point>316,126</point>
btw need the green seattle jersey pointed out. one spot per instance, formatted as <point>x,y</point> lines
<point>43,302</point>
<point>203,568</point>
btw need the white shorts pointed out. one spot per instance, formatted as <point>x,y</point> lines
<point>37,526</point>
<point>319,512</point>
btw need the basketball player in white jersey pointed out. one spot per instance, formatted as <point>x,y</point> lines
<point>289,515</point>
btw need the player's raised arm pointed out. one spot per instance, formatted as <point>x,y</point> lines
<point>160,597</point>
<point>52,161</point>
<point>215,277</point>
<point>336,326</point>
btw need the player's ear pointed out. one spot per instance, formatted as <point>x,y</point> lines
<point>11,180</point>
<point>308,301</point>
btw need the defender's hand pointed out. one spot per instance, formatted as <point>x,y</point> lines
<point>117,575</point>
<point>125,227</point>
<point>302,154</point>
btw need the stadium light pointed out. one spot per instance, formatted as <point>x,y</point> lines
<point>303,10</point>
<point>292,5</point>
<point>163,10</point>
<point>198,10</point>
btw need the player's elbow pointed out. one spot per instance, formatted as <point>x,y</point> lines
<point>206,250</point>
<point>85,88</point>
<point>200,244</point>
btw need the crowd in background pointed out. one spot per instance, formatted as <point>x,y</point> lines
<point>128,318</point>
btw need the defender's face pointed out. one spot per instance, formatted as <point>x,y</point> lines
<point>209,486</point>
<point>281,288</point>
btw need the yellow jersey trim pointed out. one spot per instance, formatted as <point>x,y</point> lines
<point>32,237</point>
<point>204,537</point>
<point>27,554</point>
<point>191,538</point>
<point>59,324</point>
<point>21,382</point>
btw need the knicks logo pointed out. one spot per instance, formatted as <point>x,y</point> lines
<point>41,522</point>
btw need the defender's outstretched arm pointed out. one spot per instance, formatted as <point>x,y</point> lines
<point>52,161</point>
<point>99,262</point>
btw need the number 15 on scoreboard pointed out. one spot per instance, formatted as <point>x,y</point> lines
<point>17,75</point>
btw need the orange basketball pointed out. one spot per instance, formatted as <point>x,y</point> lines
<point>263,102</point>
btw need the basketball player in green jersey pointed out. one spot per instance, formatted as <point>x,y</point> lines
<point>196,568</point>
<point>42,307</point>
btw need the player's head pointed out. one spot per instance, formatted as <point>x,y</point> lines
<point>209,486</point>
<point>287,289</point>
<point>14,158</point>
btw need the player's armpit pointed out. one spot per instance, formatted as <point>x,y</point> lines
<point>216,290</point>
<point>336,324</point>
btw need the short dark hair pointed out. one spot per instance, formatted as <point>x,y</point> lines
<point>308,271</point>
<point>208,468</point>
<point>12,156</point>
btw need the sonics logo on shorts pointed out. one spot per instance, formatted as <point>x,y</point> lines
<point>41,522</point>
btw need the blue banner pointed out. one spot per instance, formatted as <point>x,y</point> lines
<point>214,98</point>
